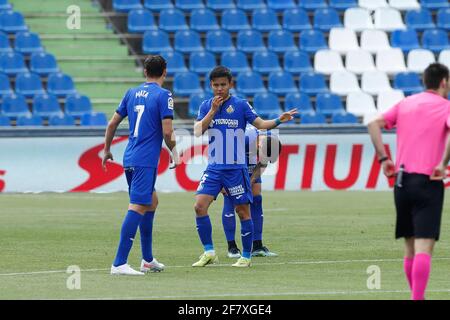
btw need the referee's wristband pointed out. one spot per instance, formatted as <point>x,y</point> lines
<point>277,122</point>
<point>383,159</point>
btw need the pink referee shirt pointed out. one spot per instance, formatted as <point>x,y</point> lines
<point>422,121</point>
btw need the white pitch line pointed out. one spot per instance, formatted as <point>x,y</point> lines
<point>227,265</point>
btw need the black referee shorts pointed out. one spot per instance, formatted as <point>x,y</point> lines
<point>419,207</point>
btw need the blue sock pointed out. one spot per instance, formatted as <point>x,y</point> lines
<point>247,237</point>
<point>257,217</point>
<point>204,229</point>
<point>146,230</point>
<point>228,218</point>
<point>127,234</point>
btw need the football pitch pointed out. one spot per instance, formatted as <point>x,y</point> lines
<point>326,242</point>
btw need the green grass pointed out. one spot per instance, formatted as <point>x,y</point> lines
<point>322,240</point>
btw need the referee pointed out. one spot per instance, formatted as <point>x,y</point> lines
<point>423,123</point>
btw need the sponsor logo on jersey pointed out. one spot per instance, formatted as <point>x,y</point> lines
<point>231,123</point>
<point>236,191</point>
<point>141,94</point>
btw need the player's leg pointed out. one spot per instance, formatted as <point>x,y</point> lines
<point>409,259</point>
<point>229,226</point>
<point>149,263</point>
<point>139,181</point>
<point>208,189</point>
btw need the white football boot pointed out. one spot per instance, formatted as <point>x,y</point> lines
<point>153,266</point>
<point>126,270</point>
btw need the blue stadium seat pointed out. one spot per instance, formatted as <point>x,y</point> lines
<point>267,105</point>
<point>12,63</point>
<point>408,82</point>
<point>31,120</point>
<point>313,83</point>
<point>282,83</point>
<point>344,118</point>
<point>28,43</point>
<point>313,118</point>
<point>443,19</point>
<point>195,100</point>
<point>281,41</point>
<point>202,62</point>
<point>185,84</point>
<point>325,19</point>
<point>312,41</point>
<point>43,63</point>
<point>343,5</point>
<point>250,83</point>
<point>280,5</point>
<point>126,5</point>
<point>156,42</point>
<point>235,20</point>
<point>46,106</point>
<point>250,5</point>
<point>419,19</point>
<point>5,46</point>
<point>175,62</point>
<point>4,121</point>
<point>313,4</point>
<point>236,61</point>
<point>434,4</point>
<point>94,119</point>
<point>188,5</point>
<point>266,62</point>
<point>188,41</point>
<point>172,20</point>
<point>265,20</point>
<point>77,105</point>
<point>204,20</point>
<point>250,41</point>
<point>141,20</point>
<point>63,120</point>
<point>60,84</point>
<point>220,4</point>
<point>329,104</point>
<point>296,20</point>
<point>29,84</point>
<point>157,5</point>
<point>5,85</point>
<point>435,40</point>
<point>301,101</point>
<point>5,5</point>
<point>219,41</point>
<point>12,22</point>
<point>297,62</point>
<point>14,106</point>
<point>406,40</point>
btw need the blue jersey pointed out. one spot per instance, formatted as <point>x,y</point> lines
<point>146,106</point>
<point>227,133</point>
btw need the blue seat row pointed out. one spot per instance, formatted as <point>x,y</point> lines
<point>435,40</point>
<point>25,43</point>
<point>422,19</point>
<point>88,119</point>
<point>41,63</point>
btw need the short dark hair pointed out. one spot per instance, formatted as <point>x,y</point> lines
<point>155,66</point>
<point>220,72</point>
<point>434,74</point>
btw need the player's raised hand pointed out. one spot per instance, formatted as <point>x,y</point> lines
<point>107,155</point>
<point>216,103</point>
<point>388,168</point>
<point>439,173</point>
<point>288,116</point>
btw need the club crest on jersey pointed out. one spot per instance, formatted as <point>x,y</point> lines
<point>230,109</point>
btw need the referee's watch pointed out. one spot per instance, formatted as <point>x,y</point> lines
<point>383,159</point>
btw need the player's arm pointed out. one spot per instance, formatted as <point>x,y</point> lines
<point>374,127</point>
<point>257,172</point>
<point>109,136</point>
<point>439,171</point>
<point>271,124</point>
<point>170,140</point>
<point>202,125</point>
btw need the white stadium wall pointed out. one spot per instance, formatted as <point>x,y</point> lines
<point>307,162</point>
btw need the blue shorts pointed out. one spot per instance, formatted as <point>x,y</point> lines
<point>235,182</point>
<point>141,184</point>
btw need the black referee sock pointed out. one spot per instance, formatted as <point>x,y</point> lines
<point>232,244</point>
<point>257,244</point>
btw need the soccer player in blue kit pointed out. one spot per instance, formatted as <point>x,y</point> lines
<point>149,109</point>
<point>225,118</point>
<point>260,148</point>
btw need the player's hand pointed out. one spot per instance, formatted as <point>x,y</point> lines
<point>439,173</point>
<point>107,155</point>
<point>216,103</point>
<point>388,168</point>
<point>174,159</point>
<point>288,116</point>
